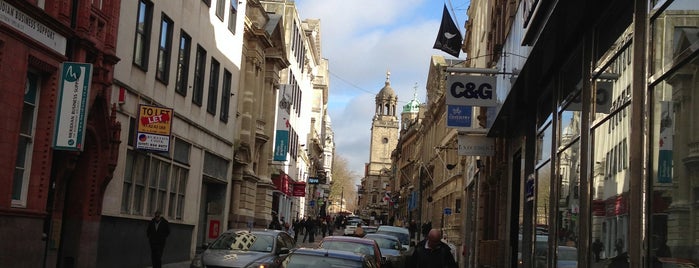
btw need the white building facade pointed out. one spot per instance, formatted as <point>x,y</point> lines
<point>180,60</point>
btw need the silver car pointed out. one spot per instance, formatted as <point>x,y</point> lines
<point>243,248</point>
<point>391,249</point>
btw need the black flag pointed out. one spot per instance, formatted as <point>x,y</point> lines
<point>449,37</point>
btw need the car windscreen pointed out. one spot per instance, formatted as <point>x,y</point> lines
<point>385,243</point>
<point>403,237</point>
<point>365,249</point>
<point>244,241</point>
<point>310,261</point>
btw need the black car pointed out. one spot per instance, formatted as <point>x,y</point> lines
<point>243,248</point>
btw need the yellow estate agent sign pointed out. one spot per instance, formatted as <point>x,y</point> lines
<point>154,124</point>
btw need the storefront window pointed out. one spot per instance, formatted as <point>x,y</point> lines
<point>543,197</point>
<point>674,168</point>
<point>610,188</point>
<point>569,199</point>
<point>543,143</point>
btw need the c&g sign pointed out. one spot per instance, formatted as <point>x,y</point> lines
<point>471,90</point>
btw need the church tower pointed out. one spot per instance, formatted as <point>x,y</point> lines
<point>375,194</point>
<point>384,128</point>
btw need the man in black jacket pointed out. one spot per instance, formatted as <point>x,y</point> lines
<point>432,252</point>
<point>158,230</point>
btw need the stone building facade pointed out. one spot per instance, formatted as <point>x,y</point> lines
<point>375,192</point>
<point>185,58</point>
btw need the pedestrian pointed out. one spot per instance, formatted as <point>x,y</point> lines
<point>432,252</point>
<point>426,227</point>
<point>619,246</point>
<point>157,232</point>
<point>296,224</point>
<point>359,231</point>
<point>302,225</point>
<point>274,224</point>
<point>331,227</point>
<point>323,227</point>
<point>412,229</point>
<point>597,248</point>
<point>289,229</point>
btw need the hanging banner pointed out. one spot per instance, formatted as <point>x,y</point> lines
<point>665,142</point>
<point>281,140</point>
<point>154,127</point>
<point>470,90</point>
<point>71,114</point>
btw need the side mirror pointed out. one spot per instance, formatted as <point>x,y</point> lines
<point>205,245</point>
<point>284,251</point>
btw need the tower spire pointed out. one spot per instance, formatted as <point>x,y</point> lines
<point>415,91</point>
<point>388,77</point>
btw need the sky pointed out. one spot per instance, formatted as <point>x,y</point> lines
<point>364,39</point>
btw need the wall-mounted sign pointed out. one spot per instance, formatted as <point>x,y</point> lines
<point>299,189</point>
<point>154,125</point>
<point>469,90</point>
<point>73,95</point>
<point>36,30</point>
<point>459,116</point>
<point>476,145</point>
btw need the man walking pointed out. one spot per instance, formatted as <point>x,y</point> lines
<point>158,230</point>
<point>432,252</point>
<point>597,248</point>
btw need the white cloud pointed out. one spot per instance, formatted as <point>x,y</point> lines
<point>362,40</point>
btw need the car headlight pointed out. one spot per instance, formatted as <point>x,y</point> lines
<point>196,262</point>
<point>261,264</point>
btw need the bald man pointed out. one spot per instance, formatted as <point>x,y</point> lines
<point>432,252</point>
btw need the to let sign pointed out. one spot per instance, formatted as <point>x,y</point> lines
<point>154,120</point>
<point>154,126</point>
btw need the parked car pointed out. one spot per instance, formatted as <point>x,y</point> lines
<point>349,229</point>
<point>370,229</point>
<point>391,249</point>
<point>323,258</point>
<point>243,248</point>
<point>353,244</point>
<point>401,233</point>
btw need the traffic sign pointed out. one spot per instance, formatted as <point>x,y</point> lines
<point>447,211</point>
